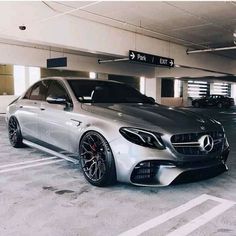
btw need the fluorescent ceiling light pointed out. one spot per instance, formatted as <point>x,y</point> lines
<point>92,75</point>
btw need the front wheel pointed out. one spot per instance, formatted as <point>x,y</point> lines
<point>14,133</point>
<point>96,159</point>
<point>219,105</point>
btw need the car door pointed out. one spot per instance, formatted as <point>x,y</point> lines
<point>215,100</point>
<point>221,99</point>
<point>28,111</point>
<point>53,118</point>
<point>210,101</point>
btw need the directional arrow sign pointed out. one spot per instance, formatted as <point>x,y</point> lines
<point>150,59</point>
<point>132,55</point>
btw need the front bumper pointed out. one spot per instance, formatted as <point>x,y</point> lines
<point>163,175</point>
<point>151,167</point>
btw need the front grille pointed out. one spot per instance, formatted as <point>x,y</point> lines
<point>187,144</point>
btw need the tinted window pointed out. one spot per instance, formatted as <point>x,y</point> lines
<point>56,90</point>
<point>27,94</point>
<point>92,91</point>
<point>39,90</point>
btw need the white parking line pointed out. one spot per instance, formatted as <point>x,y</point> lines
<point>27,162</point>
<point>30,166</point>
<point>189,227</point>
<point>201,220</point>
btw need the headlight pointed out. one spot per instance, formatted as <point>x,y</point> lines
<point>215,121</point>
<point>226,143</point>
<point>143,137</point>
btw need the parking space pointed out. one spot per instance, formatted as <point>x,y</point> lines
<point>44,195</point>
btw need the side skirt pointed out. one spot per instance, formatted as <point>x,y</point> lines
<point>67,156</point>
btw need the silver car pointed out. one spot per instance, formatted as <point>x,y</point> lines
<point>116,133</point>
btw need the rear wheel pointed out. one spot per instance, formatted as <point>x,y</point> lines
<point>196,104</point>
<point>14,133</point>
<point>97,160</point>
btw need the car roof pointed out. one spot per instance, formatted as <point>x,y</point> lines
<point>217,95</point>
<point>81,79</point>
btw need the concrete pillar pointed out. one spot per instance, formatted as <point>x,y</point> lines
<point>150,87</point>
<point>27,77</point>
<point>158,90</point>
<point>186,101</point>
<point>153,88</point>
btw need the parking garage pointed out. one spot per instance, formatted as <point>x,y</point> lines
<point>180,55</point>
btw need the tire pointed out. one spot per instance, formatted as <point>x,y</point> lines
<point>196,105</point>
<point>14,133</point>
<point>220,105</point>
<point>96,159</point>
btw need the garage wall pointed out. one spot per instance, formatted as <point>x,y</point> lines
<point>5,100</point>
<point>6,80</point>
<point>132,81</point>
<point>81,34</point>
<point>28,56</point>
<point>54,72</point>
<point>6,86</point>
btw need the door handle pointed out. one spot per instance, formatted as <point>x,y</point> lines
<point>42,108</point>
<point>20,106</point>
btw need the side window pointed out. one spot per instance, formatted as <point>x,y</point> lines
<point>35,95</point>
<point>44,89</point>
<point>56,90</point>
<point>39,90</point>
<point>27,94</point>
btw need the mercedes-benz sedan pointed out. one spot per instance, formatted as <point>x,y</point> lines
<point>117,133</point>
<point>219,101</point>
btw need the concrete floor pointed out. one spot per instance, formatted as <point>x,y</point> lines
<point>55,199</point>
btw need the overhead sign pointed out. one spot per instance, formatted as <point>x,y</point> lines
<point>150,59</point>
<point>57,62</point>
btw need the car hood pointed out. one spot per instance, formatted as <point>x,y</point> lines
<point>163,118</point>
<point>199,99</point>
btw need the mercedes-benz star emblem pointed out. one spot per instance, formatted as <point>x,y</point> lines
<point>206,143</point>
<point>202,127</point>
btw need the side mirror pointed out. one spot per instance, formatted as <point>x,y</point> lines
<point>152,99</point>
<point>56,100</point>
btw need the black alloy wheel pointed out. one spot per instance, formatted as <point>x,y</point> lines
<point>196,104</point>
<point>14,133</point>
<point>97,160</point>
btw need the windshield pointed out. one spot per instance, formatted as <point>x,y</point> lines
<point>91,91</point>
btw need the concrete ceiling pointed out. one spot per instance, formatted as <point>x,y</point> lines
<point>193,24</point>
<point>196,24</point>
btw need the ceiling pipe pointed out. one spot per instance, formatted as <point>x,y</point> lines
<point>112,60</point>
<point>210,50</point>
<point>204,69</point>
